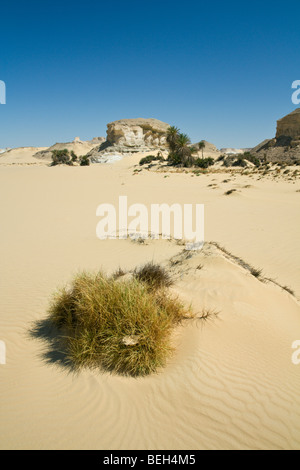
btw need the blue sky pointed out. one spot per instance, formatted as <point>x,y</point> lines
<point>220,71</point>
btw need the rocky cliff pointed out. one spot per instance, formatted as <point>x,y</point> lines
<point>289,126</point>
<point>286,145</point>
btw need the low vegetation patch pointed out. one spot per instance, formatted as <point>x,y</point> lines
<point>251,158</point>
<point>255,272</point>
<point>84,160</point>
<point>64,157</point>
<point>154,275</point>
<point>289,290</point>
<point>151,158</point>
<point>204,162</point>
<point>230,191</point>
<point>241,160</point>
<point>121,326</point>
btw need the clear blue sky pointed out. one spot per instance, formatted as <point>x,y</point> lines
<point>221,71</point>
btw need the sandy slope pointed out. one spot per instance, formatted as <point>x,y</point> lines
<point>21,156</point>
<point>231,383</point>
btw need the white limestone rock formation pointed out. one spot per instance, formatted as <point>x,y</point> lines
<point>129,136</point>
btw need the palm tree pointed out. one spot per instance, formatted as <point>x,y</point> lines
<point>172,136</point>
<point>201,146</point>
<point>183,149</point>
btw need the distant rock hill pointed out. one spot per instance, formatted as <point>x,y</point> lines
<point>289,126</point>
<point>4,150</point>
<point>286,145</point>
<point>78,146</point>
<point>233,151</point>
<point>210,150</point>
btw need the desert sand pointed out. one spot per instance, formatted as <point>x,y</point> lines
<point>20,156</point>
<point>231,383</point>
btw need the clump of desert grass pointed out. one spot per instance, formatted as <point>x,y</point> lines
<point>208,315</point>
<point>255,271</point>
<point>289,290</point>
<point>154,275</point>
<point>119,273</point>
<point>123,327</point>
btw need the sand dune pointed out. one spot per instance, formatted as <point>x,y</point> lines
<point>231,383</point>
<point>79,147</point>
<point>20,156</point>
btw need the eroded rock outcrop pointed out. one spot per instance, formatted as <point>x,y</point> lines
<point>289,126</point>
<point>286,145</point>
<point>136,133</point>
<point>128,136</point>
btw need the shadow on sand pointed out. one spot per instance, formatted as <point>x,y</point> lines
<point>55,351</point>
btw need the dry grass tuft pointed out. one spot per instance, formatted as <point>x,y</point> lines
<point>289,290</point>
<point>122,327</point>
<point>256,272</point>
<point>154,275</point>
<point>207,315</point>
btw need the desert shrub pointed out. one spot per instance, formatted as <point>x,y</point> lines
<point>220,158</point>
<point>151,158</point>
<point>74,157</point>
<point>61,157</point>
<point>154,275</point>
<point>119,273</point>
<point>251,158</point>
<point>255,272</point>
<point>189,161</point>
<point>240,161</point>
<point>228,161</point>
<point>84,160</point>
<point>204,162</point>
<point>122,326</point>
<point>230,191</point>
<point>174,159</point>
